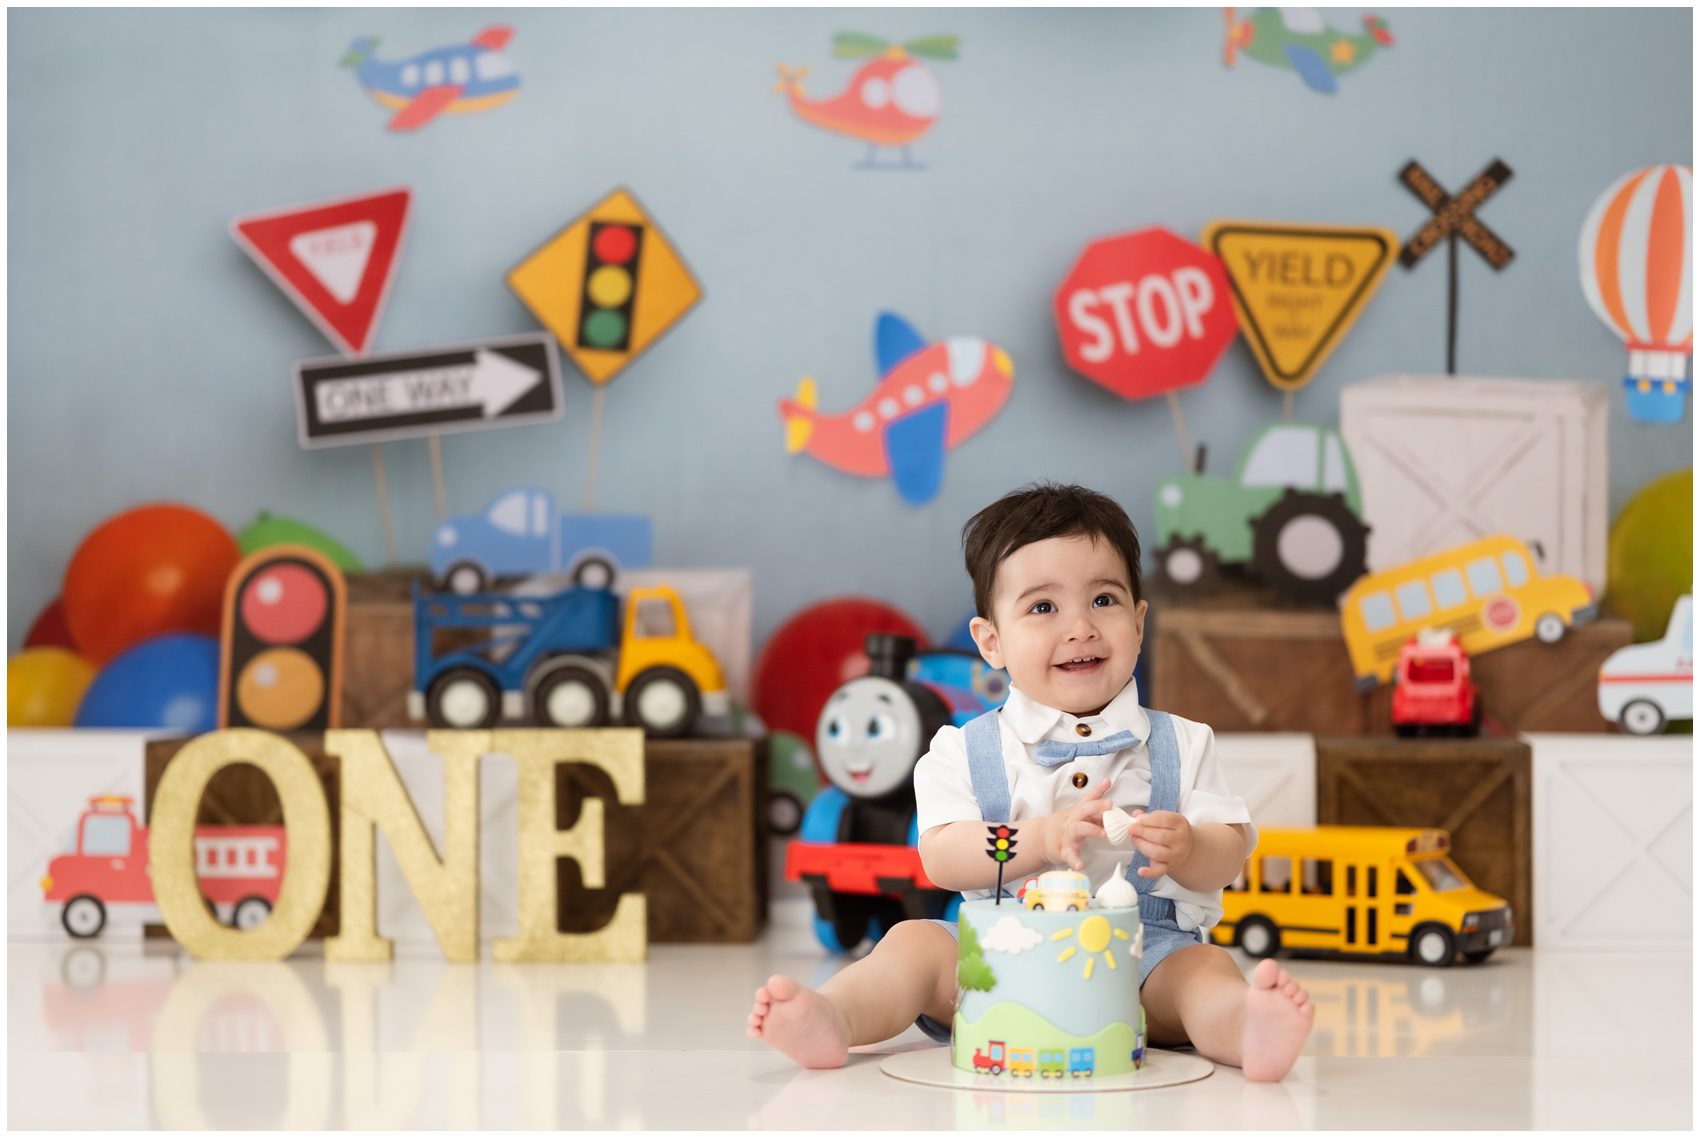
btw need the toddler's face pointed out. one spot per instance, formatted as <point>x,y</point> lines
<point>1064,623</point>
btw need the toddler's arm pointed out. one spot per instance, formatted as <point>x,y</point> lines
<point>954,854</point>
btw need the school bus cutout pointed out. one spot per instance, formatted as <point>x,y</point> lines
<point>1383,891</point>
<point>1485,592</point>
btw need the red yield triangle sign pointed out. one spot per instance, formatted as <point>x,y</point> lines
<point>334,259</point>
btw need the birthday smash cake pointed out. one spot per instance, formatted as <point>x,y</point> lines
<point>1048,991</point>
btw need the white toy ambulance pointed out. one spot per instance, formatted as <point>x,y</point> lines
<point>1645,685</point>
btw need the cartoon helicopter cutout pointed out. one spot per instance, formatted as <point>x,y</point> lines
<point>891,101</point>
<point>467,77</point>
<point>1301,39</point>
<point>930,399</point>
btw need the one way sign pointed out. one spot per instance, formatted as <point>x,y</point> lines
<point>467,387</point>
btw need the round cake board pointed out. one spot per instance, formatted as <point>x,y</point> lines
<point>930,1066</point>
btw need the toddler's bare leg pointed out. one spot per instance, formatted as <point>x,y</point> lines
<point>1197,995</point>
<point>910,971</point>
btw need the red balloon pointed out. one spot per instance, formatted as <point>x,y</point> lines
<point>148,571</point>
<point>815,651</point>
<point>50,629</point>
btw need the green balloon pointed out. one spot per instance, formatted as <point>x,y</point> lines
<point>269,529</point>
<point>1650,553</point>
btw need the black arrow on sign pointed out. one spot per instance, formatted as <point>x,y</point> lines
<point>1454,217</point>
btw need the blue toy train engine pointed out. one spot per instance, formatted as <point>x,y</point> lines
<point>856,848</point>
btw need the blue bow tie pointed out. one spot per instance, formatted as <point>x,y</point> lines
<point>1054,752</point>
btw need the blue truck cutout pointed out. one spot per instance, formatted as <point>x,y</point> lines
<point>519,534</point>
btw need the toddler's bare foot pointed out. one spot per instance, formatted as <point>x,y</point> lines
<point>799,1023</point>
<point>1278,1016</point>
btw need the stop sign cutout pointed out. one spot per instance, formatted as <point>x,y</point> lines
<point>1144,313</point>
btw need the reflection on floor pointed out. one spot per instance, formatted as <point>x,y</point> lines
<point>115,1035</point>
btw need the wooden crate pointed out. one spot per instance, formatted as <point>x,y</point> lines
<point>1478,790</point>
<point>241,795</point>
<point>1240,660</point>
<point>377,662</point>
<point>695,848</point>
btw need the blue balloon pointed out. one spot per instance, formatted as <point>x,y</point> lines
<point>169,681</point>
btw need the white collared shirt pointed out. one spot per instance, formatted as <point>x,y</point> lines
<point>944,789</point>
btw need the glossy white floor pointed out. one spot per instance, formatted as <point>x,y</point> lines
<point>115,1035</point>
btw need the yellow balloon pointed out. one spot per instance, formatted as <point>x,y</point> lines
<point>44,687</point>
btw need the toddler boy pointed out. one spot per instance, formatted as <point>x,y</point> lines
<point>1057,592</point>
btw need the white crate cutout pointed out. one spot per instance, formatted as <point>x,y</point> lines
<point>1274,773</point>
<point>1442,461</point>
<point>50,777</point>
<point>1613,841</point>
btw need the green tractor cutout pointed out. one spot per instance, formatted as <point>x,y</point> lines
<point>1290,513</point>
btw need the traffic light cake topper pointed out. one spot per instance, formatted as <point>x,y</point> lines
<point>608,285</point>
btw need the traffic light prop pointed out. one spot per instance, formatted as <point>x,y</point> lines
<point>1000,842</point>
<point>280,665</point>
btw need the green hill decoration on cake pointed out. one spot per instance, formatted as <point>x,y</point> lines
<point>972,971</point>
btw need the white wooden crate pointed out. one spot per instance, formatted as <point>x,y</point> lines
<point>1613,841</point>
<point>1274,773</point>
<point>1444,460</point>
<point>50,777</point>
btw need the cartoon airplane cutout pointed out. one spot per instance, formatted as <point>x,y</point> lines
<point>448,80</point>
<point>1301,39</point>
<point>930,398</point>
<point>891,101</point>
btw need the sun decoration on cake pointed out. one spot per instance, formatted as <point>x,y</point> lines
<point>1095,935</point>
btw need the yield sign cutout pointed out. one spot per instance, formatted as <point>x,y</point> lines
<point>334,259</point>
<point>1298,288</point>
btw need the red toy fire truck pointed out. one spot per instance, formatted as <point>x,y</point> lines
<point>1432,689</point>
<point>240,868</point>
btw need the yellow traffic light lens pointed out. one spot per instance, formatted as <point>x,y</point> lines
<point>610,286</point>
<point>280,688</point>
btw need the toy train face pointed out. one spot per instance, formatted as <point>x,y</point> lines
<point>869,736</point>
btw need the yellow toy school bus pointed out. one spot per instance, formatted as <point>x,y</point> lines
<point>1361,890</point>
<point>1487,592</point>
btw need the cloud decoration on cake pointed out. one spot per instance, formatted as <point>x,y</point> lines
<point>1011,936</point>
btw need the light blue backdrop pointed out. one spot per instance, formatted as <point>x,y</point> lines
<point>149,360</point>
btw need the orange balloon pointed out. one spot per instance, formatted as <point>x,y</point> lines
<point>44,687</point>
<point>148,571</point>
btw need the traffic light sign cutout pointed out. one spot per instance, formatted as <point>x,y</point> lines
<point>608,286</point>
<point>280,665</point>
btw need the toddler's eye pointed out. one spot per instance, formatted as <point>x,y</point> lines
<point>1043,607</point>
<point>1103,600</point>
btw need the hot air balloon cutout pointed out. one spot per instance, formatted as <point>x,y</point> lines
<point>453,80</point>
<point>931,398</point>
<point>1454,217</point>
<point>891,101</point>
<point>1638,277</point>
<point>1301,40</point>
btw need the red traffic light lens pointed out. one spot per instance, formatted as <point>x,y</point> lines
<point>614,244</point>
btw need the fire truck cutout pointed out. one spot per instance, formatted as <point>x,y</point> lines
<point>240,869</point>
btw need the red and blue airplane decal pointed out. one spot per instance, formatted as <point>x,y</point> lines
<point>467,77</point>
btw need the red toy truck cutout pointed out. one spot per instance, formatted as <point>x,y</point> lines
<point>1432,689</point>
<point>240,868</point>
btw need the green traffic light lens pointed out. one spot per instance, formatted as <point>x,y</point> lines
<point>604,328</point>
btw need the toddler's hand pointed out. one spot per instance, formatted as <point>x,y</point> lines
<point>1066,830</point>
<point>1163,836</point>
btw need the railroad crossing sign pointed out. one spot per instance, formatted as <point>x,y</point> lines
<point>1454,217</point>
<point>504,382</point>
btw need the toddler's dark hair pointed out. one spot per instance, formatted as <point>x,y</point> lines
<point>1035,513</point>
